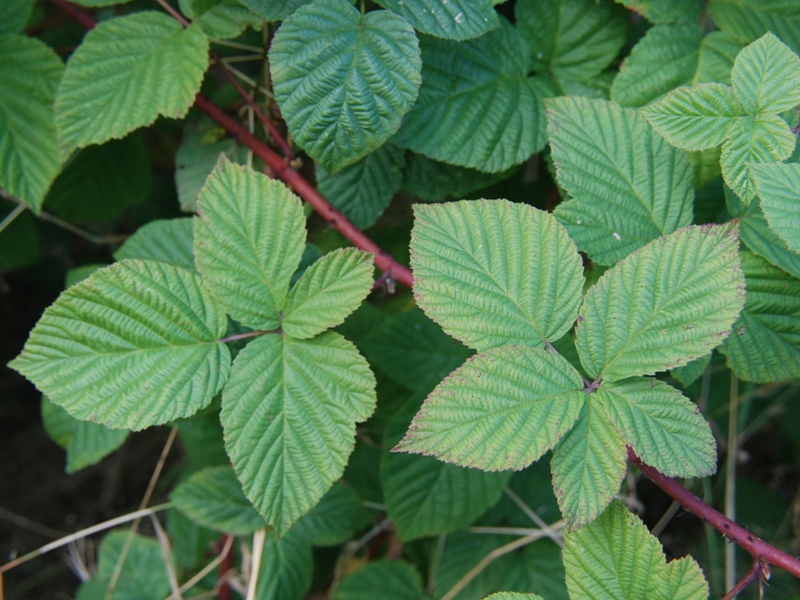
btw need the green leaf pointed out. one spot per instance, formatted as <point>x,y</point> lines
<point>747,20</point>
<point>127,72</point>
<point>86,443</point>
<point>666,11</point>
<point>99,3</point>
<point>223,19</point>
<point>344,80</point>
<point>328,291</point>
<point>706,168</point>
<point>588,466</point>
<point>287,567</point>
<point>335,519</point>
<point>195,160</point>
<point>19,241</point>
<point>573,39</point>
<point>664,428</point>
<point>616,558</point>
<point>463,83</point>
<point>14,15</point>
<point>513,596</point>
<point>627,185</point>
<point>29,76</point>
<point>664,305</point>
<point>289,413</point>
<point>503,409</point>
<point>363,190</point>
<point>80,193</point>
<point>691,371</point>
<point>190,542</point>
<point>717,54</point>
<point>778,187</point>
<point>695,118</point>
<point>201,438</point>
<point>766,77</point>
<point>143,575</point>
<point>470,283</point>
<point>412,350</point>
<point>134,345</point>
<point>760,238</point>
<point>165,240</point>
<point>425,496</point>
<point>433,181</point>
<point>274,10</point>
<point>450,19</point>
<point>765,343</point>
<point>249,237</point>
<point>396,579</point>
<point>213,498</point>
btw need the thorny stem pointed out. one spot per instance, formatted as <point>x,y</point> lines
<point>749,578</point>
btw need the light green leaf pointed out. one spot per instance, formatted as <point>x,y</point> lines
<point>695,118</point>
<point>434,181</point>
<point>666,11</point>
<point>328,291</point>
<point>664,305</point>
<point>29,76</point>
<point>664,428</point>
<point>223,19</point>
<point>573,39</point>
<point>450,19</point>
<point>289,413</point>
<point>396,580</point>
<point>287,567</point>
<point>335,519</point>
<point>127,72</point>
<point>143,567</point>
<point>363,190</point>
<point>588,466</point>
<point>464,83</point>
<point>765,139</point>
<point>274,10</point>
<point>717,53</point>
<point>766,77</point>
<point>691,371</point>
<point>628,186</point>
<point>249,237</point>
<point>425,496</point>
<point>195,160</point>
<point>86,443</point>
<point>765,343</point>
<point>344,80</point>
<point>779,188</point>
<point>14,15</point>
<point>134,345</point>
<point>213,498</point>
<point>470,283</point>
<point>165,240</point>
<point>503,409</point>
<point>760,238</point>
<point>748,20</point>
<point>616,558</point>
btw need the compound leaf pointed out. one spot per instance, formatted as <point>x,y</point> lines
<point>766,77</point>
<point>449,19</point>
<point>779,189</point>
<point>588,466</point>
<point>396,579</point>
<point>503,409</point>
<point>628,186</point>
<point>664,305</point>
<point>128,71</point>
<point>765,343</point>
<point>335,519</point>
<point>165,240</point>
<point>493,272</point>
<point>249,238</point>
<point>29,76</point>
<point>477,107</point>
<point>134,345</point>
<point>664,428</point>
<point>683,580</point>
<point>344,80</point>
<point>287,567</point>
<point>289,413</point>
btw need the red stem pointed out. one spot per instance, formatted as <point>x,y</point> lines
<point>82,17</point>
<point>760,550</point>
<point>749,578</point>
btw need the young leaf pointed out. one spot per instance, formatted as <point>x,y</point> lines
<point>289,413</point>
<point>616,558</point>
<point>493,272</point>
<point>29,76</point>
<point>335,519</point>
<point>766,77</point>
<point>396,579</point>
<point>664,428</point>
<point>128,71</point>
<point>449,19</point>
<point>664,305</point>
<point>134,345</point>
<point>363,190</point>
<point>779,188</point>
<point>249,237</point>
<point>344,80</point>
<point>287,568</point>
<point>463,83</point>
<point>328,291</point>
<point>765,343</point>
<point>628,185</point>
<point>165,240</point>
<point>588,466</point>
<point>213,498</point>
<point>425,496</point>
<point>503,409</point>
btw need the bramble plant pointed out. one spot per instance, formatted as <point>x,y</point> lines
<point>639,288</point>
